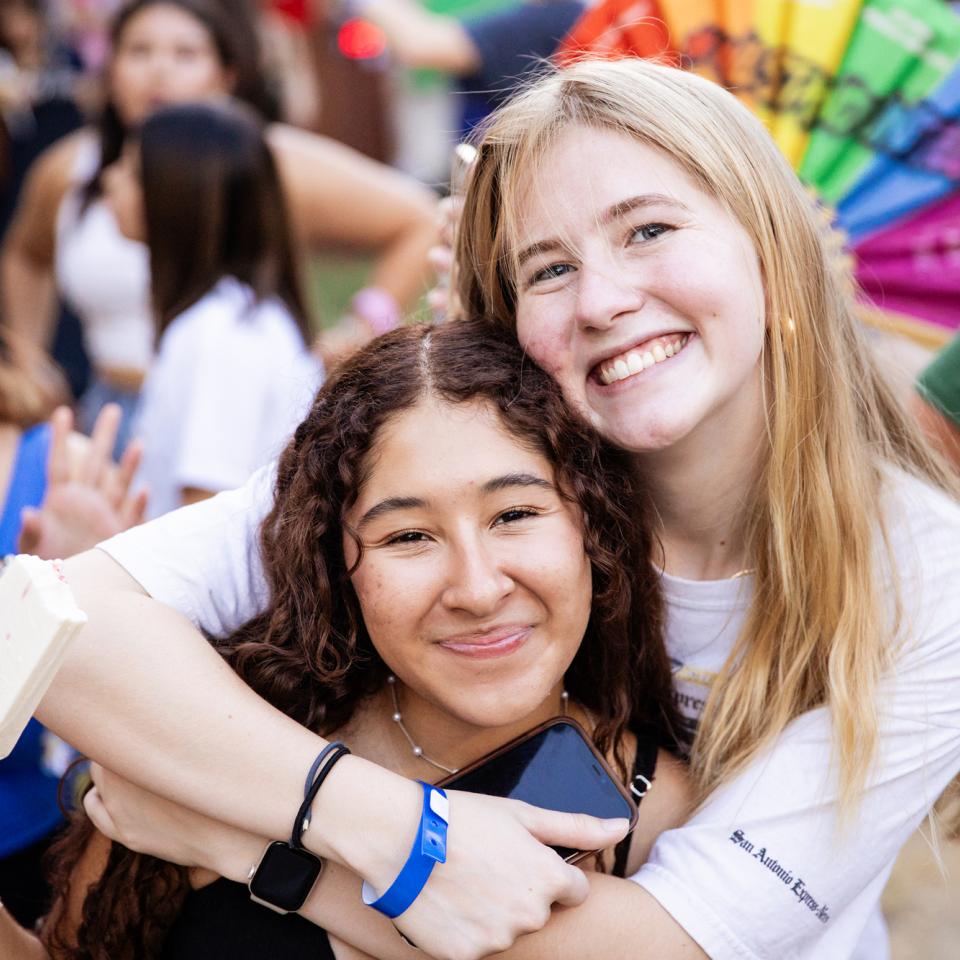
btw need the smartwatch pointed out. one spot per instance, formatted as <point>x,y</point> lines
<point>284,877</point>
<point>287,871</point>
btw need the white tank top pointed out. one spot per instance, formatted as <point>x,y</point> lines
<point>103,276</point>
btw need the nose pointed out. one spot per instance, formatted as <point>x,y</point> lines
<point>605,292</point>
<point>476,581</point>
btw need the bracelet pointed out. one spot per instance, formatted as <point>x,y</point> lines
<point>287,871</point>
<point>312,774</point>
<point>334,751</point>
<point>429,848</point>
<point>378,308</point>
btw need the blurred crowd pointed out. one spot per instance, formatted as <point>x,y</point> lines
<point>171,174</point>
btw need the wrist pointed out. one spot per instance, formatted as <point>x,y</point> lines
<point>364,818</point>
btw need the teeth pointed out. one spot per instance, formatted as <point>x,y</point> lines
<point>634,362</point>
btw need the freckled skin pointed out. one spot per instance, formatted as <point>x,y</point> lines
<point>610,285</point>
<point>474,563</point>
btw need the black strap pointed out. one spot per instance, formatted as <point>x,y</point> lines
<point>641,779</point>
<point>334,751</point>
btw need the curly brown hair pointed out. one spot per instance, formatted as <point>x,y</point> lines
<point>309,653</point>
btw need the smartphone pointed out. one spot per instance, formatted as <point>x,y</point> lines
<point>553,766</point>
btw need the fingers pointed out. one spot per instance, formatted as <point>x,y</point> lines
<point>58,460</point>
<point>575,830</point>
<point>98,814</point>
<point>134,511</point>
<point>123,474</point>
<point>574,889</point>
<point>31,531</point>
<point>102,440</point>
<point>450,209</point>
<point>440,259</point>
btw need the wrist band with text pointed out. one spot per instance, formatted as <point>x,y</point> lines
<point>429,848</point>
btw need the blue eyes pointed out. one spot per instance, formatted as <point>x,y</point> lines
<point>646,233</point>
<point>650,231</point>
<point>552,272</point>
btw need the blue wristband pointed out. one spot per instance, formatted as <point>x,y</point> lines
<point>429,848</point>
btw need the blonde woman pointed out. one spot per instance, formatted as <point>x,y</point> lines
<point>656,255</point>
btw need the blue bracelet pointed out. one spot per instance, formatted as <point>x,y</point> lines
<point>429,848</point>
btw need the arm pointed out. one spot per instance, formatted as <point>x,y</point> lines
<point>17,942</point>
<point>339,197</point>
<point>147,823</point>
<point>420,39</point>
<point>26,261</point>
<point>141,688</point>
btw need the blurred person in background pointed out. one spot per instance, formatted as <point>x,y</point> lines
<point>489,55</point>
<point>44,94</point>
<point>61,495</point>
<point>169,51</point>
<point>233,373</point>
<point>39,81</point>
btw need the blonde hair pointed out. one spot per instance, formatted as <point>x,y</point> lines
<point>30,385</point>
<point>818,631</point>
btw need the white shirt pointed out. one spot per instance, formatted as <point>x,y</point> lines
<point>760,871</point>
<point>231,380</point>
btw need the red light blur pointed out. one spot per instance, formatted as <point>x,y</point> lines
<point>361,40</point>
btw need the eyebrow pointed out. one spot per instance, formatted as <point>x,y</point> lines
<point>614,212</point>
<point>508,480</point>
<point>388,506</point>
<point>516,480</point>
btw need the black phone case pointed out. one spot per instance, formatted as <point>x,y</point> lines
<point>529,735</point>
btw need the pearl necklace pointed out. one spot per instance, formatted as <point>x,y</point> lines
<point>416,749</point>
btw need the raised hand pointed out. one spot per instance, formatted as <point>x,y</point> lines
<point>88,496</point>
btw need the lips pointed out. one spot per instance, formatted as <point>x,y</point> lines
<point>488,645</point>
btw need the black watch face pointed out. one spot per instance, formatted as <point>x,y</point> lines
<point>285,876</point>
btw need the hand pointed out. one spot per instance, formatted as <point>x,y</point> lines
<point>500,881</point>
<point>88,497</point>
<point>443,299</point>
<point>146,823</point>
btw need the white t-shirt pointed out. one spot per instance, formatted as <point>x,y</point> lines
<point>231,380</point>
<point>761,871</point>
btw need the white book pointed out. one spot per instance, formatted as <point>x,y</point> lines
<point>38,619</point>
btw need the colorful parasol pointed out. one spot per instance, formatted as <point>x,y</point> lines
<point>862,96</point>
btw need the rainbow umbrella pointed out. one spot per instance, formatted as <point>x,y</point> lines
<point>862,96</point>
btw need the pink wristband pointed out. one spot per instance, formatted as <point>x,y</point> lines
<point>377,307</point>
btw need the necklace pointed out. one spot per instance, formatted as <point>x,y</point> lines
<point>416,749</point>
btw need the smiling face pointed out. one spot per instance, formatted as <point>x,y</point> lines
<point>638,292</point>
<point>164,55</point>
<point>474,584</point>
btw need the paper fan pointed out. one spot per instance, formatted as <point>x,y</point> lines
<point>862,96</point>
